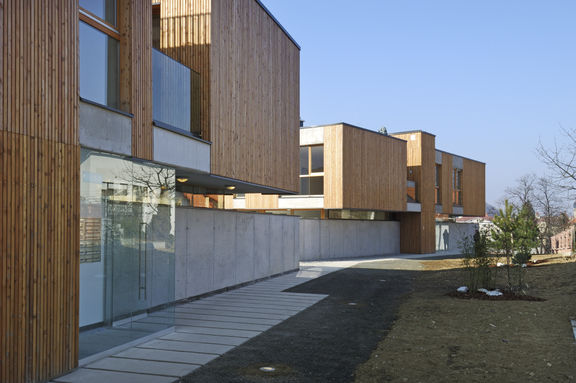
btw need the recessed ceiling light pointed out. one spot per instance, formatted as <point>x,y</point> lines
<point>230,187</point>
<point>267,369</point>
<point>182,179</point>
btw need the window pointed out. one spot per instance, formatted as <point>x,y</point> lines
<point>457,187</point>
<point>99,52</point>
<point>437,185</point>
<point>312,170</point>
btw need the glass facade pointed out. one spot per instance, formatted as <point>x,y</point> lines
<point>127,216</point>
<point>99,66</point>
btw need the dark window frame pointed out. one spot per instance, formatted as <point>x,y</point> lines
<point>311,174</point>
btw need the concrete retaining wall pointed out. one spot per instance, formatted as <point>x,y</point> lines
<point>217,248</point>
<point>330,239</point>
<point>449,235</point>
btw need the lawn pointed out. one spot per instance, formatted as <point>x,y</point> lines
<point>437,338</point>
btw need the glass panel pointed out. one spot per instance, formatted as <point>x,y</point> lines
<point>104,9</point>
<point>305,185</point>
<point>317,159</point>
<point>310,214</point>
<point>98,66</point>
<point>316,185</point>
<point>173,86</point>
<point>127,250</point>
<point>304,160</point>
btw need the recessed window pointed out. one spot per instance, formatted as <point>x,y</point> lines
<point>312,170</point>
<point>438,185</point>
<point>98,66</point>
<point>457,187</point>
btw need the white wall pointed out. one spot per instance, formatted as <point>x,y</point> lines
<point>218,248</point>
<point>449,236</point>
<point>330,239</point>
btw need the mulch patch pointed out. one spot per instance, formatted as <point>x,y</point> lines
<point>506,296</point>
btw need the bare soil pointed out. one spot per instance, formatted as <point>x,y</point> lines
<point>437,338</point>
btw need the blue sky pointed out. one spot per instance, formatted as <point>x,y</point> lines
<point>488,77</point>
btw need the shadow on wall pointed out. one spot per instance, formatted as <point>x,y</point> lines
<point>450,235</point>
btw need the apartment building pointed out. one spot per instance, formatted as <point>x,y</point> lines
<point>350,173</point>
<point>114,114</point>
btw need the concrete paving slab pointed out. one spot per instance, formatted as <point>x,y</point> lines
<point>228,325</point>
<point>202,338</point>
<point>167,356</point>
<point>223,318</point>
<point>241,307</point>
<point>256,303</point>
<point>170,369</point>
<point>84,375</point>
<point>170,345</point>
<point>217,331</point>
<point>240,314</point>
<point>277,297</point>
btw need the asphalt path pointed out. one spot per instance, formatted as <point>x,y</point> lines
<point>328,341</point>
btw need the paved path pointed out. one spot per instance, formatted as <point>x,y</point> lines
<point>204,330</point>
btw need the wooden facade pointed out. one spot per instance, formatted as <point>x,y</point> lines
<point>446,183</point>
<point>250,78</point>
<point>474,186</point>
<point>417,231</point>
<point>373,170</point>
<point>39,189</point>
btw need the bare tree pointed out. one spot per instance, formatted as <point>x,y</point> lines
<point>523,192</point>
<point>561,159</point>
<point>550,207</point>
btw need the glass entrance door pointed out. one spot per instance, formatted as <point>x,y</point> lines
<point>127,228</point>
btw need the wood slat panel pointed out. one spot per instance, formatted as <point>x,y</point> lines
<point>333,167</point>
<point>474,188</point>
<point>39,189</point>
<point>250,86</point>
<point>135,24</point>
<point>374,171</point>
<point>261,201</point>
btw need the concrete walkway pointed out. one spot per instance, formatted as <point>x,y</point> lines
<point>204,330</point>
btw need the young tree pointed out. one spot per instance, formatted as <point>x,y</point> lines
<point>549,205</point>
<point>522,192</point>
<point>525,239</point>
<point>503,235</point>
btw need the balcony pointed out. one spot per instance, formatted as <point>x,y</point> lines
<point>176,95</point>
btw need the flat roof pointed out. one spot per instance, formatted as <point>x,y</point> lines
<point>355,127</point>
<point>458,155</point>
<point>414,131</point>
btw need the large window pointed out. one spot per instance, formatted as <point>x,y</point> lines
<point>312,170</point>
<point>457,188</point>
<point>438,185</point>
<point>99,52</point>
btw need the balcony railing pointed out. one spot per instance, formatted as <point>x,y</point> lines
<point>176,94</point>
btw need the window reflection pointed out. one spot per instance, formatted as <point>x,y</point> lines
<point>99,66</point>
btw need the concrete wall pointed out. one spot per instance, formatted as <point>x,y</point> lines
<point>330,239</point>
<point>449,235</point>
<point>177,150</point>
<point>105,130</point>
<point>218,248</point>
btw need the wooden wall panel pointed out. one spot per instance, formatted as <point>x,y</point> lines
<point>333,167</point>
<point>421,155</point>
<point>136,72</point>
<point>39,189</point>
<point>447,182</point>
<point>250,75</point>
<point>474,188</point>
<point>261,201</point>
<point>374,171</point>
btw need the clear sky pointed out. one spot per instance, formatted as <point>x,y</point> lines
<point>488,77</point>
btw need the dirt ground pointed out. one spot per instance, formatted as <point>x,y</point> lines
<point>437,338</point>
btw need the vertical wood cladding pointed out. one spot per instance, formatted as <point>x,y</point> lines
<point>374,171</point>
<point>39,189</point>
<point>261,201</point>
<point>474,188</point>
<point>420,228</point>
<point>447,175</point>
<point>250,86</point>
<point>135,25</point>
<point>333,167</point>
